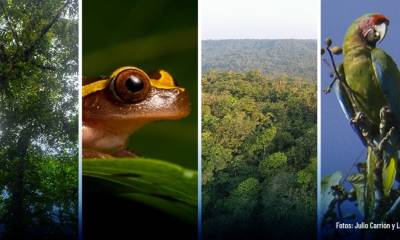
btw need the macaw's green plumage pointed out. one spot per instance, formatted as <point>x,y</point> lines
<point>373,78</point>
<point>370,72</point>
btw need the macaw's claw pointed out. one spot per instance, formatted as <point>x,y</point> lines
<point>386,120</point>
<point>361,121</point>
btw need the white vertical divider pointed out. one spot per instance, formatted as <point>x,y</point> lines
<point>199,102</point>
<point>80,232</point>
<point>319,119</point>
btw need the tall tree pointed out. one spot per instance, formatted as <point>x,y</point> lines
<point>38,118</point>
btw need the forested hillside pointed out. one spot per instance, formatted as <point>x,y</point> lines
<point>295,58</point>
<point>259,146</point>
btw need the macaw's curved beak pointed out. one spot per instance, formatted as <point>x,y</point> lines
<point>380,31</point>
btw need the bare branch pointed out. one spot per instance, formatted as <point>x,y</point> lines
<point>338,76</point>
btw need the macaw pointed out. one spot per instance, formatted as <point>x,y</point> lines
<point>374,82</point>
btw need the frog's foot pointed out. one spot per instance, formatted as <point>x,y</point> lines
<point>125,153</point>
<point>95,154</point>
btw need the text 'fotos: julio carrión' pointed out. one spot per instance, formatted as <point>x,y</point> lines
<point>369,225</point>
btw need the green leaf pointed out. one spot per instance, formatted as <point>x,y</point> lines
<point>159,184</point>
<point>326,192</point>
<point>358,183</point>
<point>388,175</point>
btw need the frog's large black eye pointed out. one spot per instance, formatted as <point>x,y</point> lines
<point>131,85</point>
<point>134,83</point>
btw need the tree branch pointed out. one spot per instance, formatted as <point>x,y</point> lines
<point>12,28</point>
<point>29,51</point>
<point>44,67</point>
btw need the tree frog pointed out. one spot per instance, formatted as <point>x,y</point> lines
<point>115,107</point>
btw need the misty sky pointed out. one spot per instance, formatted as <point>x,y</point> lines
<point>221,19</point>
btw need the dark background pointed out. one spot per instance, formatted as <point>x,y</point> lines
<point>151,35</point>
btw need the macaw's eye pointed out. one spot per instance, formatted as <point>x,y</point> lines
<point>372,37</point>
<point>130,86</point>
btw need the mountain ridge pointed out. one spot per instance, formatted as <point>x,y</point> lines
<point>296,58</point>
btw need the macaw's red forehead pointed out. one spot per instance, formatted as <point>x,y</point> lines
<point>375,19</point>
<point>370,20</point>
<point>378,19</point>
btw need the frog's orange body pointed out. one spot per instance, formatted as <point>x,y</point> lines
<point>116,107</point>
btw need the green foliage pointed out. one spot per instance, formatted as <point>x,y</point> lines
<point>357,181</point>
<point>243,200</point>
<point>306,177</point>
<point>258,155</point>
<point>272,163</point>
<point>335,192</point>
<point>389,175</point>
<point>293,58</point>
<point>217,156</point>
<point>38,119</point>
<point>327,198</point>
<point>288,206</point>
<point>162,185</point>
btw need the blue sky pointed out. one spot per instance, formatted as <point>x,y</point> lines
<point>340,146</point>
<point>271,19</point>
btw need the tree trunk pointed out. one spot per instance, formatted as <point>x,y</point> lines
<point>18,217</point>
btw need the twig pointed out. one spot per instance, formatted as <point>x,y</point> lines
<point>352,166</point>
<point>385,139</point>
<point>329,88</point>
<point>28,52</point>
<point>338,76</point>
<point>379,195</point>
<point>12,28</point>
<point>394,210</point>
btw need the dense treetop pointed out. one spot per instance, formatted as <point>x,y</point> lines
<point>259,154</point>
<point>259,148</point>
